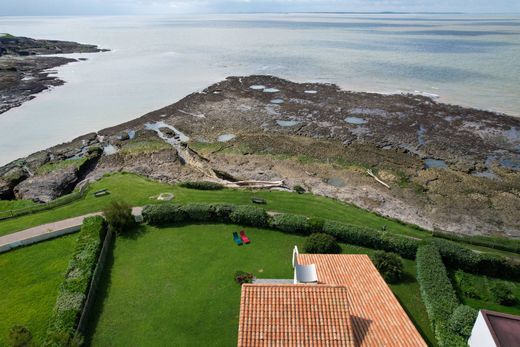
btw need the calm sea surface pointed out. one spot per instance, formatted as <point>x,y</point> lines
<point>471,60</point>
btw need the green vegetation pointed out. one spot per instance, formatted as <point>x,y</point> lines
<point>320,243</point>
<point>389,265</point>
<point>74,288</point>
<point>50,167</point>
<point>176,285</point>
<point>6,205</point>
<point>20,336</point>
<point>462,321</point>
<point>143,146</point>
<point>30,280</point>
<point>438,294</point>
<point>201,185</point>
<point>478,292</point>
<point>118,216</point>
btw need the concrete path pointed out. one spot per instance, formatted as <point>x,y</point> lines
<point>47,231</point>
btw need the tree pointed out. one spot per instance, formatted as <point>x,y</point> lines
<point>119,217</point>
<point>322,244</point>
<point>389,265</point>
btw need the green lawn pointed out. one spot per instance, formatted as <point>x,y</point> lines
<point>15,204</point>
<point>139,191</point>
<point>174,286</point>
<point>29,283</point>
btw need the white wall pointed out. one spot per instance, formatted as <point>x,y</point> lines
<point>480,335</point>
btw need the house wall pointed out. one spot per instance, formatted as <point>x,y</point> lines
<point>480,335</point>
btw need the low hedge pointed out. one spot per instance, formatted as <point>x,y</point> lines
<point>164,214</point>
<point>462,320</point>
<point>372,238</point>
<point>496,242</point>
<point>249,215</point>
<point>438,294</point>
<point>202,185</point>
<point>291,223</point>
<point>459,257</point>
<point>74,288</point>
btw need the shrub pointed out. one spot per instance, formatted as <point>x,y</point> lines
<point>316,224</point>
<point>462,320</point>
<point>202,185</point>
<point>299,189</point>
<point>164,214</point>
<point>291,223</point>
<point>198,212</point>
<point>242,277</point>
<point>437,293</point>
<point>249,215</point>
<point>119,217</point>
<point>389,265</point>
<point>75,286</point>
<point>322,244</point>
<point>503,294</point>
<point>19,336</point>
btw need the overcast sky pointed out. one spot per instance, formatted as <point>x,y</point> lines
<point>109,7</point>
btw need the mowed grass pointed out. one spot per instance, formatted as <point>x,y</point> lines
<point>139,191</point>
<point>175,286</point>
<point>29,283</point>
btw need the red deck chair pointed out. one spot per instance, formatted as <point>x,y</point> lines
<point>243,236</point>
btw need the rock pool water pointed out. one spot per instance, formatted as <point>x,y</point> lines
<point>226,137</point>
<point>287,123</point>
<point>277,101</point>
<point>435,164</point>
<point>355,120</point>
<point>271,90</point>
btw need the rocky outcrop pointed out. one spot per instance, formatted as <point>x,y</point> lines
<point>47,187</point>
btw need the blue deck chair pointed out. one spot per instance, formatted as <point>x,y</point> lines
<point>237,239</point>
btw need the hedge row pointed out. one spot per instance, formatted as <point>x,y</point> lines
<point>459,257</point>
<point>437,294</point>
<point>202,185</point>
<point>75,286</point>
<point>501,243</point>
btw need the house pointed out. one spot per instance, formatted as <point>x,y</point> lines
<point>334,300</point>
<point>495,329</point>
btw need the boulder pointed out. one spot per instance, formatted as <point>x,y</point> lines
<point>47,187</point>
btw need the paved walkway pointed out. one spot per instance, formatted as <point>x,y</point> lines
<point>46,231</point>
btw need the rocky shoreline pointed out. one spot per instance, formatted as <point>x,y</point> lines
<point>448,168</point>
<point>24,72</point>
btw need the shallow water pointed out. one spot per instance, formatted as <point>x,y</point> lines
<point>226,137</point>
<point>465,59</point>
<point>435,164</point>
<point>355,120</point>
<point>287,123</point>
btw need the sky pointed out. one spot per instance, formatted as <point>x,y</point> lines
<point>114,7</point>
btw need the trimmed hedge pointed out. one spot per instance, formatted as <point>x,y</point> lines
<point>74,288</point>
<point>462,320</point>
<point>202,185</point>
<point>496,242</point>
<point>459,257</point>
<point>437,294</point>
<point>164,214</point>
<point>249,215</point>
<point>291,223</point>
<point>320,243</point>
<point>371,238</point>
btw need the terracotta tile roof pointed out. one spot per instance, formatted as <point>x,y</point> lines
<point>377,317</point>
<point>294,315</point>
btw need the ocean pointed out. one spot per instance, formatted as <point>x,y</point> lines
<point>465,59</point>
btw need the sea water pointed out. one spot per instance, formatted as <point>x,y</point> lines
<point>471,60</point>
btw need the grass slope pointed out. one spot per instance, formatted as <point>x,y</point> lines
<point>139,191</point>
<point>174,286</point>
<point>29,286</point>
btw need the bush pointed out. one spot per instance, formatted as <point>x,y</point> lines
<point>19,336</point>
<point>119,217</point>
<point>198,212</point>
<point>503,294</point>
<point>437,294</point>
<point>75,286</point>
<point>462,320</point>
<point>242,277</point>
<point>321,244</point>
<point>389,265</point>
<point>291,223</point>
<point>202,185</point>
<point>164,214</point>
<point>249,215</point>
<point>299,189</point>
<point>316,224</point>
